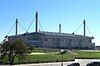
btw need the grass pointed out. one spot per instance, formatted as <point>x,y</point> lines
<point>66,57</point>
<point>45,50</point>
<point>54,57</point>
<point>50,57</point>
<point>41,58</point>
<point>88,54</point>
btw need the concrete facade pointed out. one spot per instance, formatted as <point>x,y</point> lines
<point>56,40</point>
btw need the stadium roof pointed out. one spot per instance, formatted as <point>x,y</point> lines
<point>54,34</point>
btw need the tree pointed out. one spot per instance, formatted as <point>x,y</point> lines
<point>30,48</point>
<point>11,49</point>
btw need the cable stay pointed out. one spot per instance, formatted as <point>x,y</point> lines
<point>35,18</point>
<point>17,23</point>
<point>77,29</point>
<point>9,31</point>
<point>13,27</point>
<point>84,24</point>
<point>89,31</point>
<point>30,25</point>
<point>22,27</point>
<point>40,26</point>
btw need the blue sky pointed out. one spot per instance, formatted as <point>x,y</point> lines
<point>70,13</point>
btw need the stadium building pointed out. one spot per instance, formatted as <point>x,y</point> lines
<point>54,39</point>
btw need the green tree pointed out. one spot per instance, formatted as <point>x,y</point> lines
<point>11,49</point>
<point>30,48</point>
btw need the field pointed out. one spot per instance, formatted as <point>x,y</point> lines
<point>88,54</point>
<point>56,57</point>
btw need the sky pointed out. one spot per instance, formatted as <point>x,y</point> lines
<point>70,13</point>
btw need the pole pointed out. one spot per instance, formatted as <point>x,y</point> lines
<point>62,53</point>
<point>59,28</point>
<point>16,27</point>
<point>36,27</point>
<point>62,60</point>
<point>84,23</point>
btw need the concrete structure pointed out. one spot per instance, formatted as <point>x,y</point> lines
<point>55,40</point>
<point>97,47</point>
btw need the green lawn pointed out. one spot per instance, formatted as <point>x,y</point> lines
<point>90,54</point>
<point>66,57</point>
<point>54,57</point>
<point>40,58</point>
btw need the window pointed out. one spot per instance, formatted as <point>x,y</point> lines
<point>58,39</point>
<point>69,43</point>
<point>44,39</point>
<point>90,41</point>
<point>80,43</point>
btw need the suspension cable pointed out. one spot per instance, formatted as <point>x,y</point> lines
<point>30,24</point>
<point>22,27</point>
<point>77,28</point>
<point>10,31</point>
<point>40,25</point>
<point>89,30</point>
